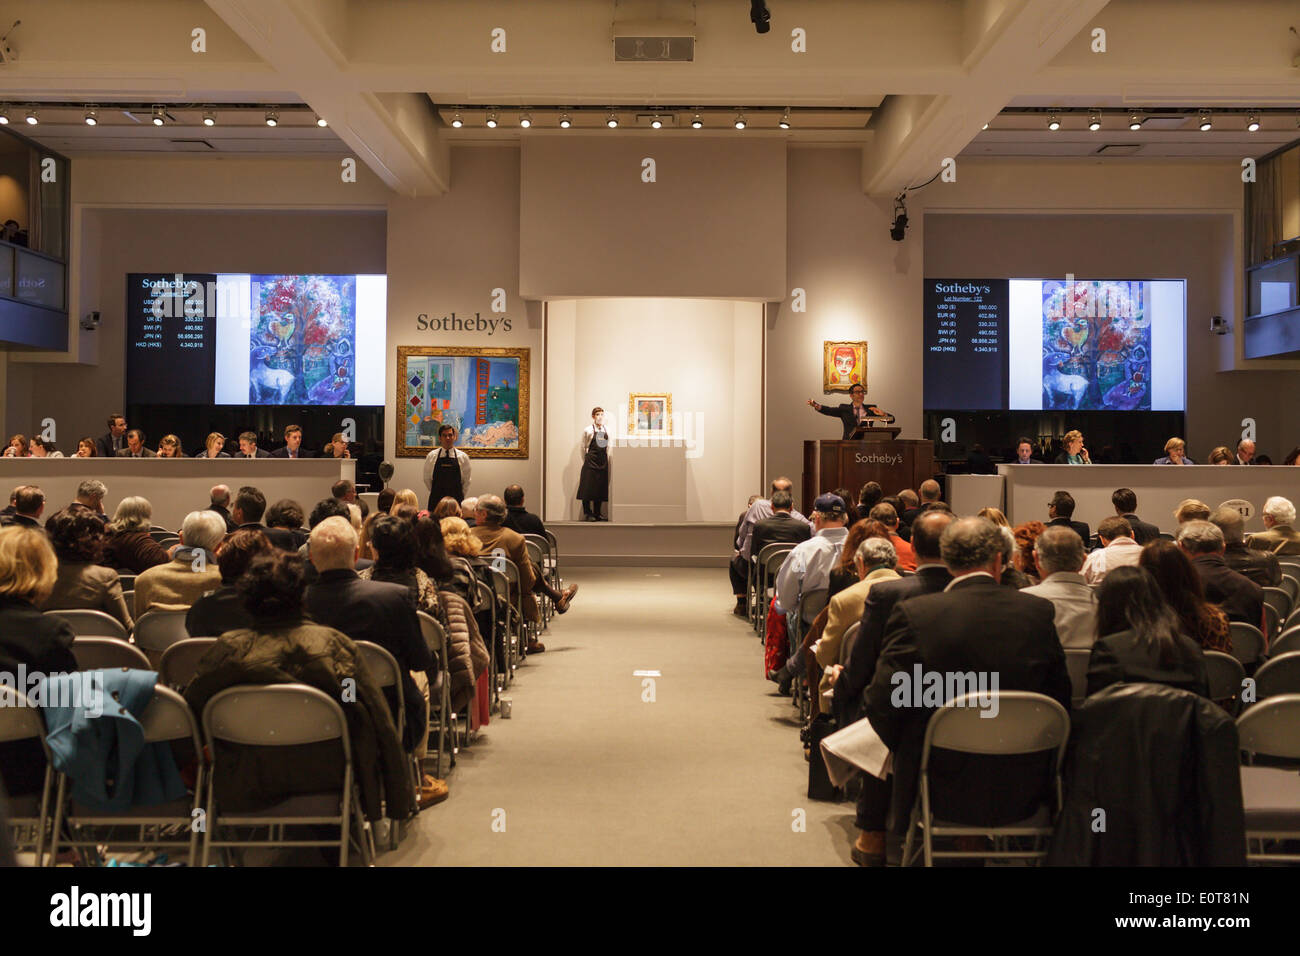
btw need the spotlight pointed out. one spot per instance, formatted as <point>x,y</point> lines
<point>565,122</point>
<point>272,118</point>
<point>209,118</point>
<point>612,121</point>
<point>492,120</point>
<point>760,15</point>
<point>740,121</point>
<point>456,121</point>
<point>32,118</point>
<point>785,120</point>
<point>320,121</point>
<point>1204,123</point>
<point>656,123</point>
<point>1053,121</point>
<point>1094,121</point>
<point>159,116</point>
<point>985,126</point>
<point>697,123</point>
<point>4,116</point>
<point>1134,122</point>
<point>525,120</point>
<point>1252,121</point>
<point>899,226</point>
<point>92,117</point>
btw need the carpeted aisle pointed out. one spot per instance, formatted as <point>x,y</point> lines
<point>587,773</point>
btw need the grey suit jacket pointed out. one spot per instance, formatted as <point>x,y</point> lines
<point>90,586</point>
<point>144,453</point>
<point>1076,607</point>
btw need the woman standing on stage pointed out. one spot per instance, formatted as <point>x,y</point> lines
<point>593,485</point>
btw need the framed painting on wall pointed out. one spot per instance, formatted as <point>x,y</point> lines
<point>844,364</point>
<point>650,414</point>
<point>483,392</point>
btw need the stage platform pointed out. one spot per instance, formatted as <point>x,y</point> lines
<point>694,544</point>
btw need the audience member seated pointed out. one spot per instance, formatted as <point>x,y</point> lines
<point>1140,638</point>
<point>86,448</point>
<point>223,609</point>
<point>90,495</point>
<point>911,508</point>
<point>1059,555</point>
<point>1126,502</point>
<point>192,572</point>
<point>405,497</point>
<point>220,497</point>
<point>82,582</point>
<point>1245,452</point>
<point>845,573</point>
<point>1178,581</point>
<point>1175,453</point>
<point>875,561</point>
<point>978,626</point>
<point>888,517</point>
<point>995,515</point>
<point>760,509</point>
<point>44,449</point>
<point>1012,576</point>
<point>114,440</point>
<point>1025,453</point>
<point>247,512</point>
<point>851,515</point>
<point>169,446</point>
<point>393,543</point>
<point>135,446</point>
<point>40,642</point>
<point>780,527</point>
<point>1190,509</point>
<point>870,496</point>
<point>326,508</point>
<point>286,647</point>
<point>1118,549</point>
<point>1280,537</point>
<point>1240,597</point>
<point>1075,453</point>
<point>1292,457</point>
<point>384,501</point>
<point>214,446</point>
<point>286,515</point>
<point>129,546</point>
<point>929,495</point>
<point>1222,455</point>
<point>29,505</point>
<point>18,447</point>
<point>1026,536</point>
<point>248,447</point>
<point>1060,512</point>
<point>1262,567</point>
<point>344,491</point>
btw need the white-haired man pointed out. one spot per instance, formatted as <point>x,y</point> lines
<point>1280,537</point>
<point>191,573</point>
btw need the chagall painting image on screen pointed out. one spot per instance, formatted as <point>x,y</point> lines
<point>482,392</point>
<point>302,344</point>
<point>1096,346</point>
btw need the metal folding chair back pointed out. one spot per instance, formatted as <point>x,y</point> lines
<point>1278,675</point>
<point>1023,723</point>
<point>167,718</point>
<point>435,638</point>
<point>537,556</point>
<point>1271,794</point>
<point>488,598</point>
<point>281,715</point>
<point>513,621</point>
<point>1291,585</point>
<point>127,580</point>
<point>383,667</point>
<point>848,640</point>
<point>161,534</point>
<point>1225,675</point>
<point>88,623</point>
<point>1272,620</point>
<point>1280,600</point>
<point>181,660</point>
<point>107,653</point>
<point>156,630</point>
<point>1247,642</point>
<point>1287,641</point>
<point>770,560</point>
<point>29,816</point>
<point>1076,662</point>
<point>1270,728</point>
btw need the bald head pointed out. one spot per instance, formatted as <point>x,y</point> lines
<point>220,495</point>
<point>929,490</point>
<point>780,484</point>
<point>333,544</point>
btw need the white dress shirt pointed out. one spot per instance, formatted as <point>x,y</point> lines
<point>807,568</point>
<point>462,459</point>
<point>1120,552</point>
<point>1076,607</point>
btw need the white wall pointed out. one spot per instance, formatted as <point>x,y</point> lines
<point>706,352</point>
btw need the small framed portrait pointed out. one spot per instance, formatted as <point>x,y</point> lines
<point>650,414</point>
<point>844,364</point>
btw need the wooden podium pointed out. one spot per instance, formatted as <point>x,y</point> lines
<point>895,464</point>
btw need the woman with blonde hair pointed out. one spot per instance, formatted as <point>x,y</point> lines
<point>1221,456</point>
<point>1189,509</point>
<point>337,447</point>
<point>169,446</point>
<point>996,516</point>
<point>1175,453</point>
<point>448,507</point>
<point>214,444</point>
<point>129,546</point>
<point>458,539</point>
<point>1075,453</point>
<point>404,497</point>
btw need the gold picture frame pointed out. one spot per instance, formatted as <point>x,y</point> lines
<point>837,374</point>
<point>650,414</point>
<point>425,400</point>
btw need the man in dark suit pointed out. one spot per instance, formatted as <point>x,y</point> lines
<point>931,576</point>
<point>29,503</point>
<point>1262,567</point>
<point>1060,511</point>
<point>519,518</point>
<point>247,512</point>
<point>220,498</point>
<point>1240,597</point>
<point>1245,452</point>
<point>782,527</point>
<point>248,447</point>
<point>292,445</point>
<point>1126,502</point>
<point>1025,453</point>
<point>850,413</point>
<point>981,630</point>
<point>135,446</point>
<point>375,611</point>
<point>108,445</point>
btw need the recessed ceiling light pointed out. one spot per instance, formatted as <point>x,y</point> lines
<point>492,120</point>
<point>525,120</point>
<point>320,121</point>
<point>92,117</point>
<point>1134,122</point>
<point>209,118</point>
<point>4,116</point>
<point>656,123</point>
<point>159,116</point>
<point>612,121</point>
<point>1252,121</point>
<point>272,118</point>
<point>697,123</point>
<point>785,120</point>
<point>1203,123</point>
<point>32,118</point>
<point>456,121</point>
<point>1053,121</point>
<point>740,121</point>
<point>1094,121</point>
<point>565,122</point>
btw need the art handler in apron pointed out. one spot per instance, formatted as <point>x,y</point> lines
<point>593,485</point>
<point>446,469</point>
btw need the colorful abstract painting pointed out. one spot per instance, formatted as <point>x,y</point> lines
<point>482,392</point>
<point>1096,346</point>
<point>302,345</point>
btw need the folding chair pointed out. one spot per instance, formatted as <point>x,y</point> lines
<point>1287,642</point>
<point>1292,620</point>
<point>1278,675</point>
<point>1290,564</point>
<point>1225,675</point>
<point>383,667</point>
<point>537,558</point>
<point>161,534</point>
<point>157,630</point>
<point>768,568</point>
<point>555,557</point>
<point>181,660</point>
<point>1247,642</point>
<point>1025,723</point>
<point>1272,621</point>
<point>126,580</point>
<point>1291,585</point>
<point>513,637</point>
<point>87,623</point>
<point>488,598</point>
<point>167,718</point>
<point>128,597</point>
<point>1280,601</point>
<point>524,627</point>
<point>107,653</point>
<point>435,638</point>
<point>28,814</point>
<point>281,715</point>
<point>1271,795</point>
<point>547,566</point>
<point>810,605</point>
<point>1076,662</point>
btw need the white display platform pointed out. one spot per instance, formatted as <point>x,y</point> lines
<point>648,485</point>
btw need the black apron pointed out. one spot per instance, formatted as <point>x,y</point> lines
<point>446,479</point>
<point>593,484</point>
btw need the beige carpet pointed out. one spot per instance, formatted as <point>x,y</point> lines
<point>587,773</point>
